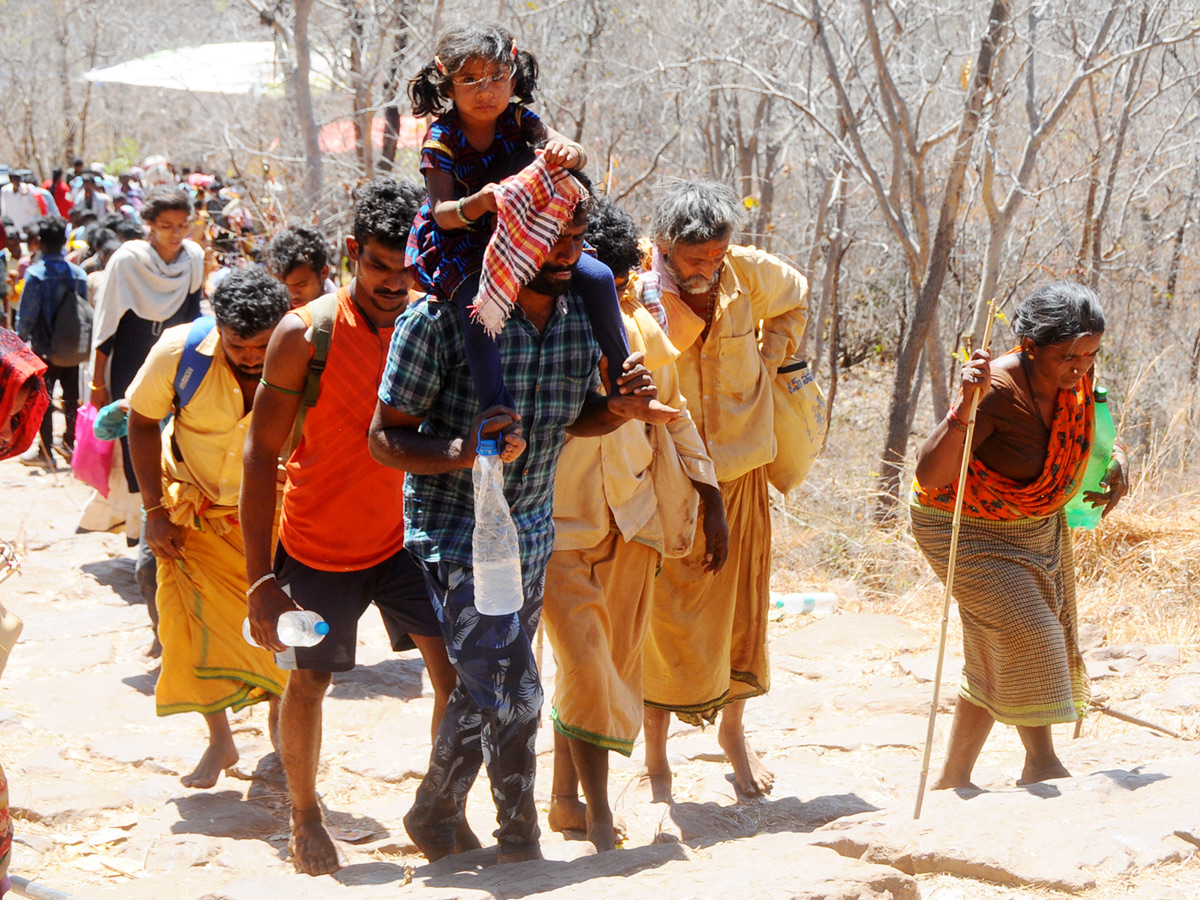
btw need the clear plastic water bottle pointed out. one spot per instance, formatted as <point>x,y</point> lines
<point>816,604</point>
<point>1081,513</point>
<point>296,628</point>
<point>495,553</point>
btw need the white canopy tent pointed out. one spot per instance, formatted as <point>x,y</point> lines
<point>238,67</point>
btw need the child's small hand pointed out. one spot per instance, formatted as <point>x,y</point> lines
<point>567,154</point>
<point>486,196</point>
<point>503,424</point>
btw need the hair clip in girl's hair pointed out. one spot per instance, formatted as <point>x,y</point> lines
<point>514,50</point>
<point>441,66</point>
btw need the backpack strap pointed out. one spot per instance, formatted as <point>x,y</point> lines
<point>323,311</point>
<point>193,365</point>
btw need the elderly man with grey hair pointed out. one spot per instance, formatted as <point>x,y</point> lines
<point>735,314</point>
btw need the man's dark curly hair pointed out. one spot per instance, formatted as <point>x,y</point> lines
<point>384,209</point>
<point>249,301</point>
<point>297,245</point>
<point>614,236</point>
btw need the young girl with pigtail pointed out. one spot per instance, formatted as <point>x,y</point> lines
<point>476,86</point>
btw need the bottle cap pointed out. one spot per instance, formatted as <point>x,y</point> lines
<point>486,446</point>
<point>321,628</point>
<point>1100,394</point>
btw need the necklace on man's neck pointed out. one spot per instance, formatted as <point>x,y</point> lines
<point>713,292</point>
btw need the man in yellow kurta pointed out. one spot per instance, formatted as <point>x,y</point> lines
<point>735,314</point>
<point>190,475</point>
<point>621,503</point>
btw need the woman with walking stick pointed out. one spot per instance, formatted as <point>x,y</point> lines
<point>1015,574</point>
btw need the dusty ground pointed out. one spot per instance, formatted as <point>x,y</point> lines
<point>94,774</point>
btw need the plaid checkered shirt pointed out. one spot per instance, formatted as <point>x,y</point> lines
<point>549,376</point>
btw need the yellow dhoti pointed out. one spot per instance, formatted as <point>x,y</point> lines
<point>707,645</point>
<point>596,607</point>
<point>207,666</point>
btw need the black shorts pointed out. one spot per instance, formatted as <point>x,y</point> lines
<point>396,586</point>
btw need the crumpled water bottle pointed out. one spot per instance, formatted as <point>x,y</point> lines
<point>495,553</point>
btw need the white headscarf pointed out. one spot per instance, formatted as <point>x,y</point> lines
<point>140,280</point>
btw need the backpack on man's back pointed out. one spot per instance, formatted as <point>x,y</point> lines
<point>68,333</point>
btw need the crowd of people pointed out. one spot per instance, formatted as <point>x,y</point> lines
<point>309,445</point>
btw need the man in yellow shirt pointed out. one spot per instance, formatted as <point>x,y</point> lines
<point>734,314</point>
<point>190,475</point>
<point>621,503</point>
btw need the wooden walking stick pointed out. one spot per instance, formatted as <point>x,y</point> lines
<point>958,503</point>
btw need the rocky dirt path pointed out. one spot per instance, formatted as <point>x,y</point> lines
<point>94,774</point>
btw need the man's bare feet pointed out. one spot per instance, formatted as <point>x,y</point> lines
<point>216,759</point>
<point>658,784</point>
<point>567,814</point>
<point>602,832</point>
<point>572,814</point>
<point>519,854</point>
<point>647,409</point>
<point>753,777</point>
<point>945,783</point>
<point>312,849</point>
<point>1033,774</point>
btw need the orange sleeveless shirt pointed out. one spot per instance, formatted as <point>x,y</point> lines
<point>343,511</point>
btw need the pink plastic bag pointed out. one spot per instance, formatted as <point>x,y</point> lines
<point>92,459</point>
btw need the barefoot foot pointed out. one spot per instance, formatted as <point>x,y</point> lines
<point>214,761</point>
<point>312,849</point>
<point>1032,774</point>
<point>567,813</point>
<point>602,834</point>
<point>949,784</point>
<point>753,777</point>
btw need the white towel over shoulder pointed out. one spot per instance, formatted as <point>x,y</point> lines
<point>140,280</point>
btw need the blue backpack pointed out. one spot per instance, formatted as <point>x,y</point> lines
<point>193,365</point>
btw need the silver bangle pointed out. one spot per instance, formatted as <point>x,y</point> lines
<point>270,576</point>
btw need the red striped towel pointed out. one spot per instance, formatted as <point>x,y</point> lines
<point>532,208</point>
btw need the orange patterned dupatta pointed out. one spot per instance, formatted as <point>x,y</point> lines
<point>990,495</point>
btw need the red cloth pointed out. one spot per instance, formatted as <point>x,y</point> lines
<point>62,196</point>
<point>532,208</point>
<point>18,364</point>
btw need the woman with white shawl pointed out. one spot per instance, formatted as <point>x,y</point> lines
<point>151,285</point>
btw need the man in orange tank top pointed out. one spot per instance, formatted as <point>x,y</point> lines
<point>341,533</point>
